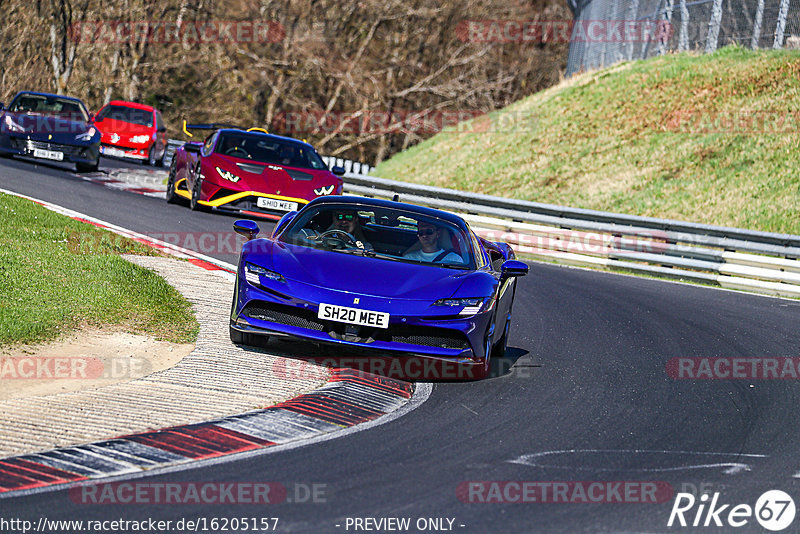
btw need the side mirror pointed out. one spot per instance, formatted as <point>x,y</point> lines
<point>249,229</point>
<point>162,129</point>
<point>338,171</point>
<point>2,107</point>
<point>192,147</point>
<point>283,222</point>
<point>513,268</point>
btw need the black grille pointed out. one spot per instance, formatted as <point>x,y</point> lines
<point>29,146</point>
<point>288,315</point>
<point>299,175</point>
<point>428,337</point>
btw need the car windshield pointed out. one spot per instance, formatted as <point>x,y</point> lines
<point>265,149</point>
<point>141,117</point>
<point>49,105</point>
<point>385,233</point>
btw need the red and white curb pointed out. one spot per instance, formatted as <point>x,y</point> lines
<point>349,398</point>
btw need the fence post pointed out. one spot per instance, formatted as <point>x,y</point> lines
<point>664,31</point>
<point>757,25</point>
<point>713,26</point>
<point>781,24</point>
<point>683,40</point>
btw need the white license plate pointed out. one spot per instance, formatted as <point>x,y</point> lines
<point>343,314</point>
<point>275,204</point>
<point>111,151</point>
<point>48,154</point>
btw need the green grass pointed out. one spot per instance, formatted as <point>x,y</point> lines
<point>644,138</point>
<point>58,274</point>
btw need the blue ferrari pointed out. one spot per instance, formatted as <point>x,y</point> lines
<point>51,127</point>
<point>395,279</point>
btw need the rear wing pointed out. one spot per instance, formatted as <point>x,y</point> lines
<point>216,126</point>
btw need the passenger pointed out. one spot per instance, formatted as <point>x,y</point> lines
<point>430,250</point>
<point>348,221</point>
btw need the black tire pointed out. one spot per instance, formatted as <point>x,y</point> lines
<point>499,348</point>
<point>151,157</point>
<point>160,163</point>
<point>172,198</point>
<point>196,187</point>
<point>243,338</point>
<point>87,167</point>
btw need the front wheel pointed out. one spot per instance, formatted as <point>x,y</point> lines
<point>172,198</point>
<point>194,203</point>
<point>243,338</point>
<point>87,167</point>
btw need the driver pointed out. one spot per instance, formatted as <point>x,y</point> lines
<point>430,251</point>
<point>348,221</point>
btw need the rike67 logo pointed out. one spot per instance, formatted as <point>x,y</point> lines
<point>774,510</point>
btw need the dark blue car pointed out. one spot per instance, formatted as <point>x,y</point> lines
<point>396,279</point>
<point>51,127</point>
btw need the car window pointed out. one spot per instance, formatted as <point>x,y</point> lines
<point>385,233</point>
<point>208,145</point>
<point>141,117</point>
<point>264,149</point>
<point>48,105</point>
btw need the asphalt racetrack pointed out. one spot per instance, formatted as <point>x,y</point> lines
<point>585,413</point>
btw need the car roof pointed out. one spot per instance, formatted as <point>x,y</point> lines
<point>267,135</point>
<point>135,105</point>
<point>50,95</point>
<point>356,201</point>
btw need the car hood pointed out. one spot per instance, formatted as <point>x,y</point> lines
<point>109,126</point>
<point>49,124</point>
<point>362,275</point>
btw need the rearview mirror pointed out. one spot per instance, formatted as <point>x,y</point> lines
<point>513,268</point>
<point>249,229</point>
<point>337,170</point>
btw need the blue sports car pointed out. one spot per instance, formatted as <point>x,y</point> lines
<point>396,279</point>
<point>52,127</point>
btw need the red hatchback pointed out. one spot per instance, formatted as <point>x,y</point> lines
<point>131,130</point>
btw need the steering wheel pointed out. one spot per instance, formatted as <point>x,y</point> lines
<point>344,239</point>
<point>236,150</point>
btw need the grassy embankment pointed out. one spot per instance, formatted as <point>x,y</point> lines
<point>58,274</point>
<point>710,138</point>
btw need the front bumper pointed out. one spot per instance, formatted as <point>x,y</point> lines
<point>246,202</point>
<point>456,344</point>
<point>27,145</point>
<point>118,151</point>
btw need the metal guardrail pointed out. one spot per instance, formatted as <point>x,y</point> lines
<point>735,258</point>
<point>730,257</point>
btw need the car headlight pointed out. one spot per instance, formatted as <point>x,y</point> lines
<point>252,274</point>
<point>469,306</point>
<point>227,175</point>
<point>140,139</point>
<point>87,135</point>
<point>13,126</point>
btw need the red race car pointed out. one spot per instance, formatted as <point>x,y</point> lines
<point>131,130</point>
<point>250,172</point>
